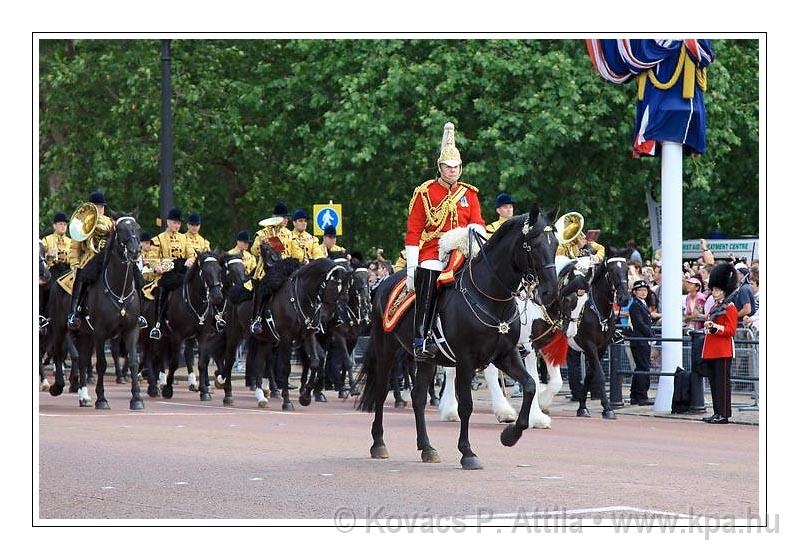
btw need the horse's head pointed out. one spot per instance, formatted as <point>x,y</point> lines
<point>44,272</point>
<point>270,251</point>
<point>536,252</point>
<point>360,289</point>
<point>235,270</point>
<point>331,287</point>
<point>126,239</point>
<point>210,271</point>
<point>616,266</point>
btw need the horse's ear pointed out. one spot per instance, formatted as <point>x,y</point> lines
<point>533,213</point>
<point>553,214</point>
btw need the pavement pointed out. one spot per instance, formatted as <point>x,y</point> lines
<point>186,459</point>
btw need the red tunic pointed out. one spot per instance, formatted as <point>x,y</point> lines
<point>720,344</point>
<point>435,209</point>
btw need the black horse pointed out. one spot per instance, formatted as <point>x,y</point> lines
<point>479,320</point>
<point>303,306</point>
<point>192,311</point>
<point>609,285</point>
<point>113,308</point>
<point>44,321</point>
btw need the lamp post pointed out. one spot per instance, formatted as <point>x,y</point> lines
<point>165,197</point>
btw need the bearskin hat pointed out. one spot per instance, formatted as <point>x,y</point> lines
<point>724,277</point>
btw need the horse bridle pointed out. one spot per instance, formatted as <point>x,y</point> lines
<point>363,302</point>
<point>593,304</point>
<point>119,299</point>
<point>314,323</point>
<point>186,296</point>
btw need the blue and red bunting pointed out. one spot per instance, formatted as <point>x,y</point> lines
<point>671,78</point>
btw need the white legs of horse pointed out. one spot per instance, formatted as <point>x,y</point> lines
<point>546,392</point>
<point>83,397</point>
<point>448,405</point>
<point>192,382</point>
<point>261,398</point>
<point>162,378</point>
<point>44,385</point>
<point>502,409</point>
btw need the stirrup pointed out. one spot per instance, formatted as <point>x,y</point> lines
<point>425,349</point>
<point>155,332</point>
<point>220,324</point>
<point>141,322</point>
<point>73,321</point>
<point>256,328</point>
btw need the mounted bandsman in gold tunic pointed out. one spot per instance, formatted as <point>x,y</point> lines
<point>199,243</point>
<point>304,247</point>
<point>89,230</point>
<point>174,247</point>
<point>57,246</point>
<point>328,245</point>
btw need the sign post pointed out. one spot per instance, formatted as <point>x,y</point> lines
<point>327,215</point>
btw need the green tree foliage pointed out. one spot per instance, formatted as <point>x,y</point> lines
<point>359,122</point>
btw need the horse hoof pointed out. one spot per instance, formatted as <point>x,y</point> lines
<point>102,405</point>
<point>507,418</point>
<point>166,391</point>
<point>219,385</point>
<point>261,404</point>
<point>205,397</point>
<point>583,413</point>
<point>272,394</point>
<point>400,404</point>
<point>545,410</point>
<point>430,456</point>
<point>320,397</point>
<point>288,407</point>
<point>137,405</point>
<point>120,380</point>
<point>193,388</point>
<point>434,401</point>
<point>152,391</point>
<point>354,392</point>
<point>304,400</point>
<point>470,464</point>
<point>510,435</point>
<point>44,386</point>
<point>379,452</point>
<point>343,394</point>
<point>56,390</point>
<point>84,403</point>
<point>227,401</point>
<point>609,415</point>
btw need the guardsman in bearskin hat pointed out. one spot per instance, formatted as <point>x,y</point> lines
<point>305,247</point>
<point>504,206</point>
<point>199,243</point>
<point>242,248</point>
<point>170,245</point>
<point>328,244</point>
<point>437,206</point>
<point>57,246</point>
<point>720,328</point>
<point>82,255</point>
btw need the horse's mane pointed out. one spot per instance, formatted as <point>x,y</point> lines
<point>511,225</point>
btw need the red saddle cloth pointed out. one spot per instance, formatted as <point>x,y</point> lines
<point>400,299</point>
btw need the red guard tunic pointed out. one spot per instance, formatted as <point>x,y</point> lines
<point>435,209</point>
<point>720,344</point>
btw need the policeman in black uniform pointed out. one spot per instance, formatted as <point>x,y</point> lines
<point>641,326</point>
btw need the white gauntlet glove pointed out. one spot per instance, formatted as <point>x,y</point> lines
<point>412,260</point>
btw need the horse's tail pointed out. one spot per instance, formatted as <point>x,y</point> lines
<point>372,385</point>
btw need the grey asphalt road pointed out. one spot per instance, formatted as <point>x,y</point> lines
<point>183,459</point>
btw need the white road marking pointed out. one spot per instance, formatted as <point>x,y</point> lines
<point>523,465</point>
<point>256,478</point>
<point>552,477</point>
<point>326,474</point>
<point>180,483</point>
<point>651,464</point>
<point>107,488</point>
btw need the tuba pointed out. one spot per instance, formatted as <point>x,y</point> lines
<point>569,227</point>
<point>83,222</point>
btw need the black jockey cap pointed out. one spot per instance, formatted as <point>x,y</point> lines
<point>98,198</point>
<point>502,199</point>
<point>145,236</point>
<point>243,235</point>
<point>330,231</point>
<point>281,210</point>
<point>300,214</point>
<point>194,219</point>
<point>175,214</point>
<point>724,277</point>
<point>60,217</point>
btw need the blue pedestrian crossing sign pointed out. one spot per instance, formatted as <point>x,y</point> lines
<point>326,215</point>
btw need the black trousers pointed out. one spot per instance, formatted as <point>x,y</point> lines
<point>721,386</point>
<point>574,377</point>
<point>640,384</point>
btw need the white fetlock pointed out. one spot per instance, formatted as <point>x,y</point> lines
<point>261,399</point>
<point>406,395</point>
<point>501,408</point>
<point>538,420</point>
<point>44,385</point>
<point>220,379</point>
<point>162,378</point>
<point>448,406</point>
<point>192,382</point>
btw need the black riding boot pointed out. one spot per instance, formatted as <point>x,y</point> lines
<point>78,289</point>
<point>155,332</point>
<point>424,311</point>
<point>139,282</point>
<point>255,320</point>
